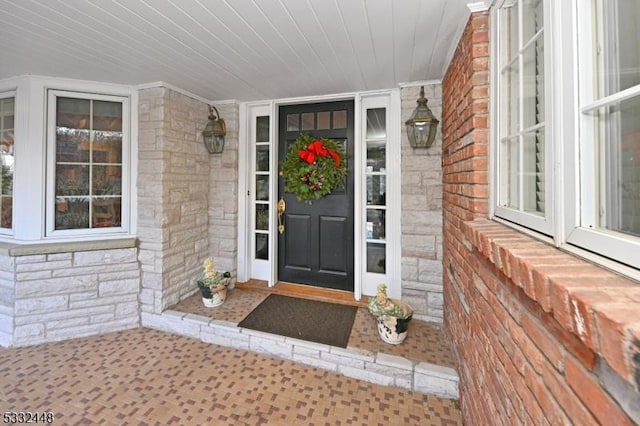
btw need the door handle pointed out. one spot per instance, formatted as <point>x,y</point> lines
<point>281,208</point>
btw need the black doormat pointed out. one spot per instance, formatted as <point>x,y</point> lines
<point>320,322</point>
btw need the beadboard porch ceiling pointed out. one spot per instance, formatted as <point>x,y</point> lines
<point>234,49</point>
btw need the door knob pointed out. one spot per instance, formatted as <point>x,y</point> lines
<point>281,208</point>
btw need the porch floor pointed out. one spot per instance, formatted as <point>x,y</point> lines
<point>424,342</point>
<point>150,377</point>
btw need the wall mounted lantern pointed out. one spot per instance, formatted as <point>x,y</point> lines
<point>422,126</point>
<point>213,134</point>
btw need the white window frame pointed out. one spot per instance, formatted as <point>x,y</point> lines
<point>581,226</point>
<point>540,223</point>
<point>50,230</point>
<point>570,168</point>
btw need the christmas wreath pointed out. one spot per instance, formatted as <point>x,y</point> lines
<point>313,168</point>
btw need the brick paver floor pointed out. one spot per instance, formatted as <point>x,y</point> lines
<point>144,376</point>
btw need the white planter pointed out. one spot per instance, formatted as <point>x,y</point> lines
<point>393,330</point>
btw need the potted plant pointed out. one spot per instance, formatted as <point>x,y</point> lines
<point>393,316</point>
<point>213,285</point>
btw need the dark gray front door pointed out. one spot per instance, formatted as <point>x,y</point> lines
<point>316,247</point>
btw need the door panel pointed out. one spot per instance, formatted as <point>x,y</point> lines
<point>298,250</point>
<point>316,247</point>
<point>333,252</point>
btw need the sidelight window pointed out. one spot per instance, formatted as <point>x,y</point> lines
<point>376,189</point>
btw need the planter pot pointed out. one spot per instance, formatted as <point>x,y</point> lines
<point>212,297</point>
<point>393,330</point>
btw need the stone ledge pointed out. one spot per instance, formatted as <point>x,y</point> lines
<point>599,307</point>
<point>378,368</point>
<point>28,249</point>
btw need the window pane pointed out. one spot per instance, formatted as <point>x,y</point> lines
<point>533,84</point>
<point>72,213</point>
<point>106,180</point>
<point>509,173</point>
<point>293,122</point>
<point>617,51</point>
<point>376,258</point>
<point>262,187</point>
<point>72,180</point>
<point>376,156</point>
<point>262,246</point>
<point>509,121</point>
<point>6,221</point>
<point>106,212</point>
<point>533,173</point>
<point>509,32</point>
<point>7,106</point>
<point>375,228</point>
<point>532,18</point>
<point>72,145</point>
<point>73,113</point>
<point>107,147</point>
<point>262,217</point>
<point>262,129</point>
<point>339,119</point>
<point>619,148</point>
<point>107,116</point>
<point>308,121</point>
<point>324,120</point>
<point>262,158</point>
<point>376,123</point>
<point>376,190</point>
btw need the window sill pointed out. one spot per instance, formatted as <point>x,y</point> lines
<point>599,307</point>
<point>28,249</point>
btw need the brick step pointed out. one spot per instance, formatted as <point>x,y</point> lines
<point>372,367</point>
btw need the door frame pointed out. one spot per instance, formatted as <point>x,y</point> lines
<point>364,283</point>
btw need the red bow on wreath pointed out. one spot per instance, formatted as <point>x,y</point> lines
<point>316,148</point>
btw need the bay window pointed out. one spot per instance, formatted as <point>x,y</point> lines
<point>69,177</point>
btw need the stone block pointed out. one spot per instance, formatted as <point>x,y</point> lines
<point>276,347</point>
<point>37,305</point>
<point>170,325</point>
<point>366,375</point>
<point>315,362</point>
<point>435,379</point>
<point>110,288</point>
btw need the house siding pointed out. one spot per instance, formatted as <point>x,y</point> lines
<point>540,336</point>
<point>422,213</point>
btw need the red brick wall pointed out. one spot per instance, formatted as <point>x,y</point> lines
<point>540,336</point>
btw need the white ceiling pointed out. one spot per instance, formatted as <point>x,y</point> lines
<point>233,49</point>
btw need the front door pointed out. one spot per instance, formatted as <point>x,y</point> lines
<point>316,247</point>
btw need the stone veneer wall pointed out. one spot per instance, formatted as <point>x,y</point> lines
<point>173,196</point>
<point>68,295</point>
<point>422,213</point>
<point>540,336</point>
<point>223,196</point>
<point>187,198</point>
<point>7,299</point>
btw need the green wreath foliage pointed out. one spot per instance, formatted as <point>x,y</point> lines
<point>314,167</point>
